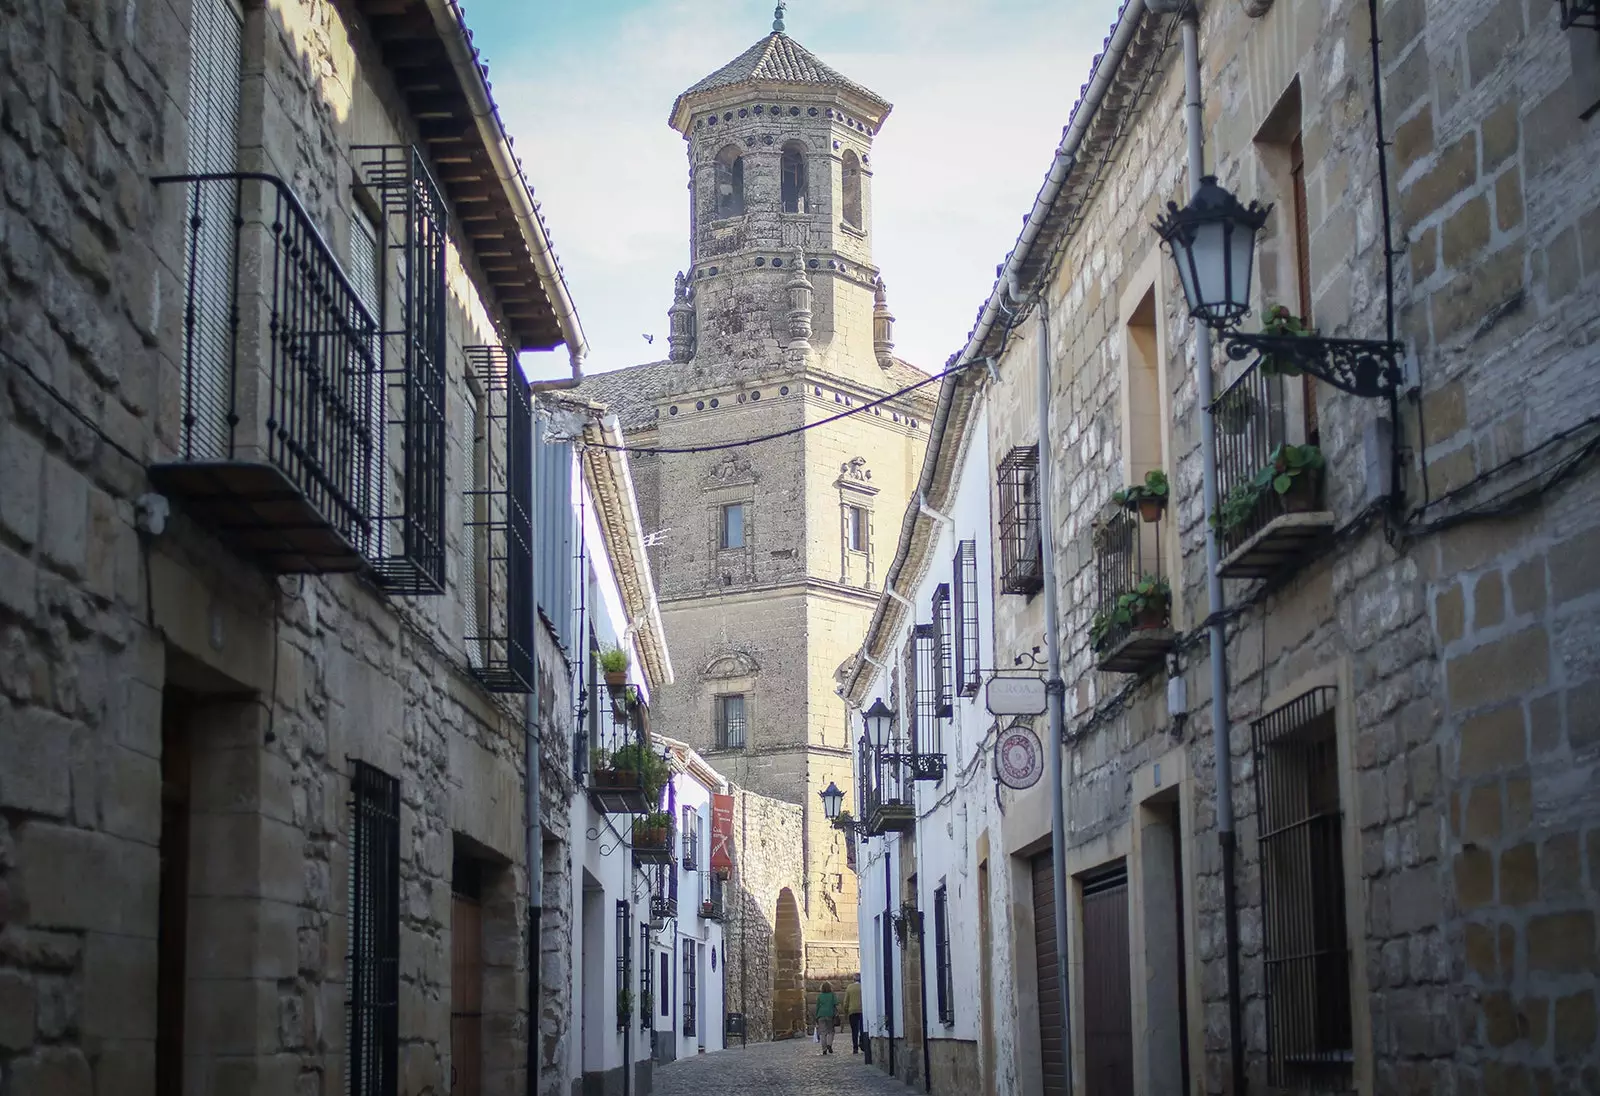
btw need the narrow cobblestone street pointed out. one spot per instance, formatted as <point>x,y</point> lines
<point>795,1067</point>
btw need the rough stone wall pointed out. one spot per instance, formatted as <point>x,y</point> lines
<point>765,833</point>
<point>556,788</point>
<point>105,631</point>
<point>1469,684</point>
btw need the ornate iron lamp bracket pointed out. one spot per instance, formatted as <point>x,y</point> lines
<point>1361,367</point>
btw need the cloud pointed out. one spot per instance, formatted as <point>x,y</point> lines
<point>981,90</point>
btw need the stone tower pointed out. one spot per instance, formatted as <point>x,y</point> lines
<point>768,556</point>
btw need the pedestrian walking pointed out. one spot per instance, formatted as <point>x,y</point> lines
<point>852,1009</point>
<point>827,1016</point>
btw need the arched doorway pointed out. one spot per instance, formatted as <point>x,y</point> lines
<point>788,982</point>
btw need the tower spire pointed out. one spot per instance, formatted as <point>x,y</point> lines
<point>777,17</point>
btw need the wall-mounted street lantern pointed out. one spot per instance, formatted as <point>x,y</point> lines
<point>1580,13</point>
<point>1212,241</point>
<point>891,808</point>
<point>832,810</point>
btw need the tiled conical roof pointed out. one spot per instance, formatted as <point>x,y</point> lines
<point>779,58</point>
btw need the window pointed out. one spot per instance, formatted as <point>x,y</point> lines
<point>793,179</point>
<point>1302,260</point>
<point>941,956</point>
<point>624,966</point>
<point>373,968</point>
<point>644,976</point>
<point>943,672</point>
<point>475,535</point>
<point>732,526</point>
<point>966,661</point>
<point>730,182</point>
<point>1021,559</point>
<point>850,174</point>
<point>1306,953</point>
<point>665,1007</point>
<point>730,721</point>
<point>691,839</point>
<point>689,992</point>
<point>856,528</point>
<point>922,688</point>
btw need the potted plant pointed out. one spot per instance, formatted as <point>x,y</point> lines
<point>1100,631</point>
<point>1149,497</point>
<point>600,771</point>
<point>652,830</point>
<point>708,908</point>
<point>1237,508</point>
<point>1294,473</point>
<point>1277,320</point>
<point>1237,412</point>
<point>624,1006</point>
<point>1148,604</point>
<point>614,665</point>
<point>646,1003</point>
<point>639,766</point>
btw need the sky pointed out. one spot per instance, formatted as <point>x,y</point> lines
<point>981,91</point>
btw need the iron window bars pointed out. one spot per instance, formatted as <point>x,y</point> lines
<point>689,990</point>
<point>373,990</point>
<point>941,956</point>
<point>1251,420</point>
<point>926,732</point>
<point>967,662</point>
<point>644,977</point>
<point>730,721</point>
<point>691,838</point>
<point>1580,13</point>
<point>1310,1044</point>
<point>499,529</point>
<point>664,892</point>
<point>866,781</point>
<point>624,966</point>
<point>712,906</point>
<point>1021,554</point>
<point>617,756</point>
<point>410,508</point>
<point>943,663</point>
<point>275,448</point>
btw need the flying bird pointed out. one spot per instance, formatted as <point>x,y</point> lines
<point>650,339</point>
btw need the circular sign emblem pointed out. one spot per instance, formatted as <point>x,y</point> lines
<point>1019,757</point>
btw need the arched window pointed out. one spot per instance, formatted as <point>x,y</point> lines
<point>793,185</point>
<point>730,182</point>
<point>852,189</point>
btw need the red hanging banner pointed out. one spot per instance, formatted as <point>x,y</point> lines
<point>722,835</point>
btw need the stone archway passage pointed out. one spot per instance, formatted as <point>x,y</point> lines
<point>788,985</point>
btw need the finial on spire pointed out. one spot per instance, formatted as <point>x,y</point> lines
<point>777,17</point>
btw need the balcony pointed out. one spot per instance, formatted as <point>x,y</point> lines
<point>281,391</point>
<point>711,908</point>
<point>652,838</point>
<point>625,776</point>
<point>1132,628</point>
<point>1270,509</point>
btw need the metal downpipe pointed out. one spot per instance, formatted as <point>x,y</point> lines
<point>1220,730</point>
<point>1055,690</point>
<point>888,950</point>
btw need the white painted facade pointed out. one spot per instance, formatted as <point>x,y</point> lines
<point>958,820</point>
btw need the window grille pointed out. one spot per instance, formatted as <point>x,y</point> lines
<point>691,838</point>
<point>941,956</point>
<point>943,663</point>
<point>927,730</point>
<point>730,722</point>
<point>690,991</point>
<point>866,782</point>
<point>409,457</point>
<point>373,975</point>
<point>624,963</point>
<point>644,977</point>
<point>1021,557</point>
<point>498,544</point>
<point>966,661</point>
<point>1310,1045</point>
<point>665,1007</point>
<point>664,892</point>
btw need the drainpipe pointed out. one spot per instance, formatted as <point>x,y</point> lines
<point>1221,739</point>
<point>1055,690</point>
<point>922,990</point>
<point>457,41</point>
<point>535,857</point>
<point>888,951</point>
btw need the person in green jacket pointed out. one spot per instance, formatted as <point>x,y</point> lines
<point>827,1016</point>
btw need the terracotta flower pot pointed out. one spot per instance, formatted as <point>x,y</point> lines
<point>603,778</point>
<point>1304,493</point>
<point>1151,618</point>
<point>616,679</point>
<point>1152,509</point>
<point>626,778</point>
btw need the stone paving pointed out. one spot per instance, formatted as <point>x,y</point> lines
<point>794,1067</point>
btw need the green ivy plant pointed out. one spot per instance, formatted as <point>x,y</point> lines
<point>1154,487</point>
<point>1279,321</point>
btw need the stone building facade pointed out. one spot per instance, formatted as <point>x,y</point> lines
<point>767,555</point>
<point>1412,686</point>
<point>261,754</point>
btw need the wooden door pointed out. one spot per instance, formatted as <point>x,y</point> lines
<point>466,996</point>
<point>1051,1051</point>
<point>1107,984</point>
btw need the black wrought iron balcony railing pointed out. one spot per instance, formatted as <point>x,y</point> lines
<point>1132,626</point>
<point>280,386</point>
<point>625,776</point>
<point>711,904</point>
<point>1270,510</point>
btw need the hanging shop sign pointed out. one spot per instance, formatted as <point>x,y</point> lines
<point>1019,757</point>
<point>722,835</point>
<point>1017,695</point>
